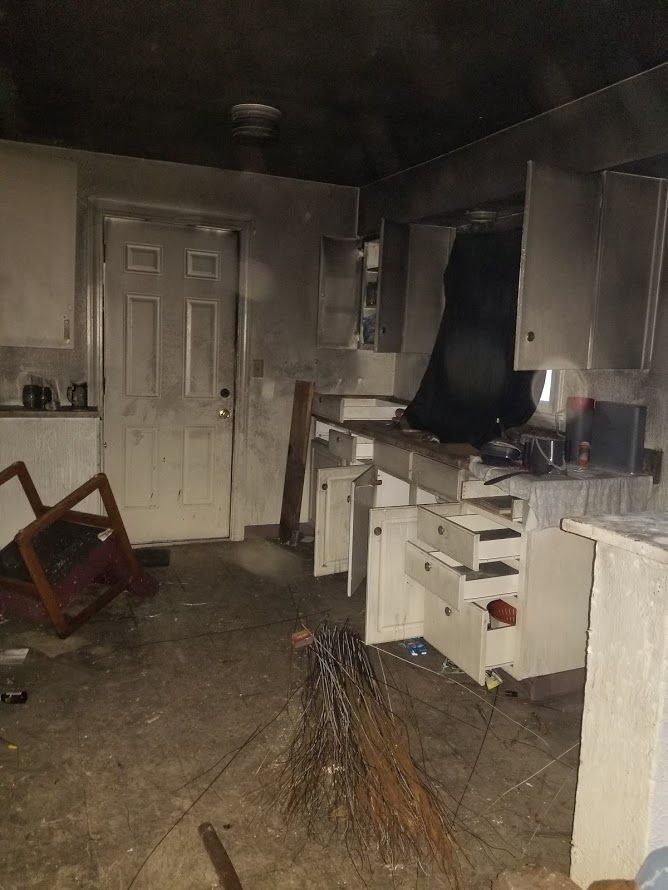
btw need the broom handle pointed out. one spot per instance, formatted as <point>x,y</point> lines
<point>221,862</point>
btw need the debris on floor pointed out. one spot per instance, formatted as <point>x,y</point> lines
<point>301,638</point>
<point>13,656</point>
<point>415,647</point>
<point>350,757</point>
<point>152,727</point>
<point>533,877</point>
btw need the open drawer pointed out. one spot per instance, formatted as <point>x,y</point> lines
<point>454,583</point>
<point>349,447</point>
<point>466,638</point>
<point>468,537</point>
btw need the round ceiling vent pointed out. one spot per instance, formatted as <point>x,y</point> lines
<point>255,124</point>
<point>482,217</point>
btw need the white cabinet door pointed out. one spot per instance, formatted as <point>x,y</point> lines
<point>339,297</point>
<point>392,272</point>
<point>394,603</point>
<point>38,210</point>
<point>362,500</point>
<point>372,489</point>
<point>428,254</point>
<point>332,519</point>
<point>629,258</point>
<point>557,269</point>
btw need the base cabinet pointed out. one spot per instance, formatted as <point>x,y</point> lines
<point>394,603</point>
<point>332,519</point>
<point>467,636</point>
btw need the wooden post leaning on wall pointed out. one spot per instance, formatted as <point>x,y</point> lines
<point>295,466</point>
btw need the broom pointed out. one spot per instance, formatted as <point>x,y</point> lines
<point>350,759</point>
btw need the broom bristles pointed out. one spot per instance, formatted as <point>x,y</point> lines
<point>350,759</point>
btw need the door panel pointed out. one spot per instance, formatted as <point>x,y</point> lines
<point>392,276</point>
<point>394,603</point>
<point>332,519</point>
<point>428,255</point>
<point>626,291</point>
<point>362,500</point>
<point>557,269</point>
<point>339,300</point>
<point>169,346</point>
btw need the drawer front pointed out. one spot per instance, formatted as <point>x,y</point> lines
<point>435,575</point>
<point>392,460</point>
<point>440,478</point>
<point>454,583</point>
<point>468,538</point>
<point>474,488</point>
<point>465,638</point>
<point>349,447</point>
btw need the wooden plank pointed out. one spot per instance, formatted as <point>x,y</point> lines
<point>295,466</point>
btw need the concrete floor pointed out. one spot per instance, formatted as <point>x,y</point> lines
<point>137,730</point>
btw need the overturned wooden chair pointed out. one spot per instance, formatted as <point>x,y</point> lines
<point>66,565</point>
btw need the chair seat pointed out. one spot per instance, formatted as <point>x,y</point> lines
<point>59,548</point>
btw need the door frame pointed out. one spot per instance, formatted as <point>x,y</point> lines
<point>101,209</point>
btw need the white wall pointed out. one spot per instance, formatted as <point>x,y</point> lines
<point>287,218</point>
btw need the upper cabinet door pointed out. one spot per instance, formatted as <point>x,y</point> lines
<point>38,210</point>
<point>392,276</point>
<point>338,306</point>
<point>428,255</point>
<point>558,269</point>
<point>629,257</point>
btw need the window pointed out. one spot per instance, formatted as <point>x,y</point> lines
<point>550,395</point>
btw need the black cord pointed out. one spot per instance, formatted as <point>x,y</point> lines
<point>482,745</point>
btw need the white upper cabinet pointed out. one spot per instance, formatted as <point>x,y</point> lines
<point>38,203</point>
<point>590,269</point>
<point>338,305</point>
<point>383,294</point>
<point>629,264</point>
<point>557,269</point>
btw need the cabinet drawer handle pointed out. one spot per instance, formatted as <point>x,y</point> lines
<point>441,529</point>
<point>377,530</point>
<point>348,499</point>
<point>427,567</point>
<point>530,336</point>
<point>448,611</point>
<point>324,486</point>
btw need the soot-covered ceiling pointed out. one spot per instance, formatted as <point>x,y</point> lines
<point>367,87</point>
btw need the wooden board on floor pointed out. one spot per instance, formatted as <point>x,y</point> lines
<point>295,466</point>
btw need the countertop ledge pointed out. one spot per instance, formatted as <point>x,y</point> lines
<point>453,454</point>
<point>9,412</point>
<point>643,533</point>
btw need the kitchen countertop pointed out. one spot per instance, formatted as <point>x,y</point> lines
<point>454,454</point>
<point>643,533</point>
<point>13,411</point>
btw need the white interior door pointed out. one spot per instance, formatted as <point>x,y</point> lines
<point>170,299</point>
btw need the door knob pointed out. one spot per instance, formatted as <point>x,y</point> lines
<point>224,413</point>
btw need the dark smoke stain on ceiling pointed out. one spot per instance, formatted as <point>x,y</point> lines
<point>367,87</point>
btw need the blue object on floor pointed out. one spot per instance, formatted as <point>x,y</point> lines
<point>415,647</point>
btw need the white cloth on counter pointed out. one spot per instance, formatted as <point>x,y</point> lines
<point>581,492</point>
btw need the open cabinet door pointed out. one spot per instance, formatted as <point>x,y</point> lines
<point>339,298</point>
<point>332,519</point>
<point>362,500</point>
<point>394,603</point>
<point>557,269</point>
<point>392,272</point>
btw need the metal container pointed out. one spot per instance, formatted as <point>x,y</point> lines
<point>545,454</point>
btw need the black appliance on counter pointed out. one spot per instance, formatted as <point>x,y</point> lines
<point>618,436</point>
